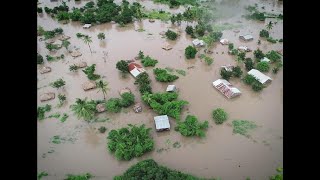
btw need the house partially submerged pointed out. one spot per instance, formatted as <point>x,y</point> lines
<point>244,49</point>
<point>198,42</point>
<point>47,96</point>
<point>263,79</point>
<point>86,26</point>
<point>171,88</point>
<point>227,68</point>
<point>224,41</point>
<point>135,69</point>
<point>162,123</point>
<point>226,88</point>
<point>265,59</point>
<point>246,37</point>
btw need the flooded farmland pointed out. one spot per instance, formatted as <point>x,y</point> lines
<point>220,154</point>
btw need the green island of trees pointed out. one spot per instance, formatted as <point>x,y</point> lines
<point>42,110</point>
<point>165,103</point>
<point>171,35</point>
<point>143,81</point>
<point>219,116</point>
<point>192,127</point>
<point>263,66</point>
<point>129,142</point>
<point>122,66</point>
<point>163,76</point>
<point>255,84</point>
<point>148,61</point>
<point>190,52</point>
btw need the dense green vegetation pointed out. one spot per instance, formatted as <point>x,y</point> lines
<point>278,176</point>
<point>242,127</point>
<point>122,66</point>
<point>58,83</point>
<point>149,169</point>
<point>50,34</point>
<point>241,56</point>
<point>190,52</point>
<point>263,66</point>
<point>211,38</point>
<point>236,71</point>
<point>230,46</point>
<point>162,15</point>
<point>113,105</point>
<point>62,98</point>
<point>42,110</point>
<point>89,71</point>
<point>42,174</point>
<point>258,54</point>
<point>165,103</point>
<point>39,59</point>
<point>255,84</point>
<point>249,64</point>
<point>192,127</point>
<point>189,30</point>
<point>148,61</point>
<point>219,115</point>
<point>163,76</point>
<point>143,82</point>
<point>103,87</point>
<point>52,47</point>
<point>127,99</point>
<point>274,56</point>
<point>264,33</point>
<point>270,39</point>
<point>85,176</point>
<point>101,36</point>
<point>226,74</point>
<point>171,35</point>
<point>249,79</point>
<point>84,109</point>
<point>129,142</point>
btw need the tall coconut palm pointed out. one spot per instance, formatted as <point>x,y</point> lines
<point>103,86</point>
<point>86,39</point>
<point>84,109</point>
<point>269,26</point>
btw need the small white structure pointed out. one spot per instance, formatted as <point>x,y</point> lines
<point>246,37</point>
<point>263,79</point>
<point>86,26</point>
<point>226,88</point>
<point>135,69</point>
<point>265,59</point>
<point>227,67</point>
<point>198,42</point>
<point>171,88</point>
<point>224,41</point>
<point>244,49</point>
<point>162,123</point>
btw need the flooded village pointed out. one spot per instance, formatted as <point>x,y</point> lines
<point>196,86</point>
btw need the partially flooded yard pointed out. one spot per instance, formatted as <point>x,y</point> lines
<point>220,154</point>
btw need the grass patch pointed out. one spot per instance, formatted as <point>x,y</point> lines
<point>55,115</point>
<point>86,176</point>
<point>181,72</point>
<point>243,126</point>
<point>64,117</point>
<point>163,16</point>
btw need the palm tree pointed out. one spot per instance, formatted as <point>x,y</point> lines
<point>84,109</point>
<point>269,26</point>
<point>86,39</point>
<point>103,86</point>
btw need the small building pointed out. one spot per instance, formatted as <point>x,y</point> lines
<point>244,49</point>
<point>265,59</point>
<point>224,41</point>
<point>263,79</point>
<point>198,42</point>
<point>86,26</point>
<point>246,37</point>
<point>167,47</point>
<point>137,108</point>
<point>171,88</point>
<point>135,69</point>
<point>162,123</point>
<point>226,88</point>
<point>228,67</point>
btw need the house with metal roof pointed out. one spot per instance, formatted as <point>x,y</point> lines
<point>265,59</point>
<point>263,79</point>
<point>226,88</point>
<point>171,88</point>
<point>135,69</point>
<point>224,41</point>
<point>162,123</point>
<point>246,37</point>
<point>198,42</point>
<point>86,26</point>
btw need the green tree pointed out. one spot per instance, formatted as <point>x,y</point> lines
<point>103,86</point>
<point>65,43</point>
<point>88,17</point>
<point>200,29</point>
<point>258,54</point>
<point>84,109</point>
<point>225,74</point>
<point>113,105</point>
<point>189,30</point>
<point>264,33</point>
<point>62,15</point>
<point>263,66</point>
<point>101,36</point>
<point>219,115</point>
<point>73,68</point>
<point>141,55</point>
<point>230,46</point>
<point>122,66</point>
<point>89,71</point>
<point>179,18</point>
<point>241,56</point>
<point>86,39</point>
<point>257,86</point>
<point>274,56</point>
<point>248,64</point>
<point>269,26</point>
<point>237,72</point>
<point>208,60</point>
<point>58,83</point>
<point>163,76</point>
<point>171,35</point>
<point>62,98</point>
<point>173,19</point>
<point>190,52</point>
<point>127,99</point>
<point>75,15</point>
<point>249,79</point>
<point>39,59</point>
<point>148,61</point>
<point>192,127</point>
<point>39,10</point>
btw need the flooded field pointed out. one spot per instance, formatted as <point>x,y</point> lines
<point>220,154</point>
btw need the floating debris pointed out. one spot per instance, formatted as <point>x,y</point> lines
<point>137,108</point>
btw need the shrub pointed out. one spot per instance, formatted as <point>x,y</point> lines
<point>58,83</point>
<point>50,58</point>
<point>171,35</point>
<point>102,129</point>
<point>208,60</point>
<point>234,52</point>
<point>89,71</point>
<point>248,64</point>
<point>73,68</point>
<point>270,39</point>
<point>280,40</point>
<point>127,143</point>
<point>275,70</point>
<point>113,105</point>
<point>249,79</point>
<point>241,56</point>
<point>163,76</point>
<point>75,15</point>
<point>273,56</point>
<point>165,103</point>
<point>191,127</point>
<point>62,98</point>
<point>39,10</point>
<point>278,176</point>
<point>190,52</point>
<point>219,115</point>
<point>52,47</point>
<point>62,15</point>
<point>141,55</point>
<point>86,176</point>
<point>237,72</point>
<point>47,10</point>
<point>189,30</point>
<point>257,86</point>
<point>258,54</point>
<point>230,46</point>
<point>144,81</point>
<point>148,61</point>
<point>58,31</point>
<point>122,66</point>
<point>264,33</point>
<point>149,169</point>
<point>200,29</point>
<point>39,59</point>
<point>225,74</point>
<point>42,110</point>
<point>127,99</point>
<point>101,36</point>
<point>263,66</point>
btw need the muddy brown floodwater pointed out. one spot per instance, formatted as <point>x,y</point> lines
<point>220,154</point>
